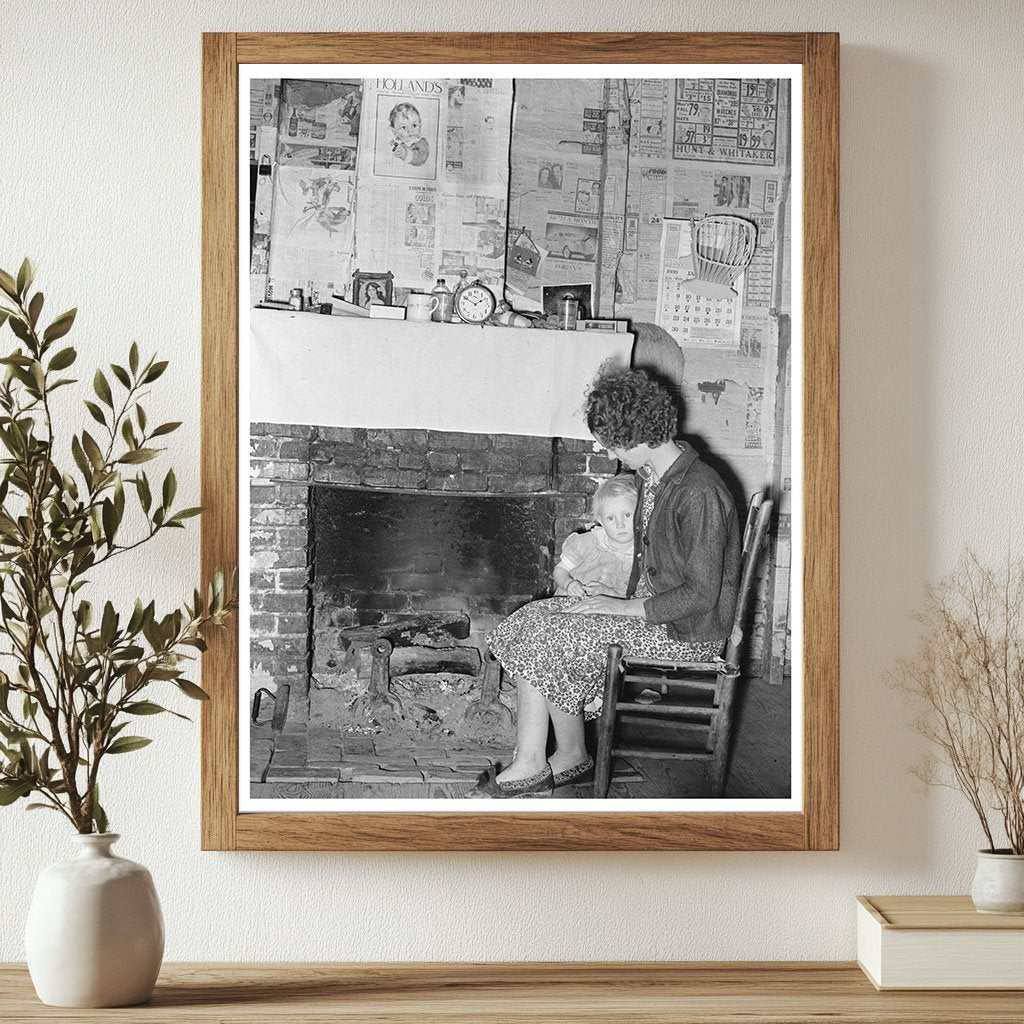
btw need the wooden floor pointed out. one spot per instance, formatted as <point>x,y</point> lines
<point>759,766</point>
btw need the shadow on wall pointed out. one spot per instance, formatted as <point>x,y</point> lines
<point>889,267</point>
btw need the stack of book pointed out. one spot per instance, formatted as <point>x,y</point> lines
<point>938,942</point>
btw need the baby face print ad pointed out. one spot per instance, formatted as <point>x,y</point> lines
<point>406,128</point>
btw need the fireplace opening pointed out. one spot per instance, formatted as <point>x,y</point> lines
<point>406,586</point>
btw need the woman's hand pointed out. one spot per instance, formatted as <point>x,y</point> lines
<point>574,588</point>
<point>603,605</point>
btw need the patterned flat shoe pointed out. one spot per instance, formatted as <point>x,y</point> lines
<point>582,772</point>
<point>489,788</point>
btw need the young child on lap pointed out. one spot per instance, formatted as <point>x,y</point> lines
<point>600,560</point>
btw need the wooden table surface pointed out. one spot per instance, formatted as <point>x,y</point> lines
<point>658,993</point>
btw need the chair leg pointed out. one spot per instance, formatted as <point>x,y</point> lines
<point>606,723</point>
<point>722,734</point>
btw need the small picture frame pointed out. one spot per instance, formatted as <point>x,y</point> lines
<point>371,287</point>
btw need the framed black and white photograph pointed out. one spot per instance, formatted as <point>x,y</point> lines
<point>515,585</point>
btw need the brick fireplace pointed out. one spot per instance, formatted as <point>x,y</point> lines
<point>355,531</point>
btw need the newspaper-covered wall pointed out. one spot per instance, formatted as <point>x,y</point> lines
<point>433,179</point>
<point>605,178</point>
<point>407,176</point>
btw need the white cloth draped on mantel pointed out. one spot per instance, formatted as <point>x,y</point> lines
<point>356,372</point>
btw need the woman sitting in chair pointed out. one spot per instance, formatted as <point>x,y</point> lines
<point>682,591</point>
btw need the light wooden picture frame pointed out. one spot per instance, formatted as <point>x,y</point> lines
<point>813,825</point>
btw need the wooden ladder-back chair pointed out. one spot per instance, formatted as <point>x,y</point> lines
<point>693,696</point>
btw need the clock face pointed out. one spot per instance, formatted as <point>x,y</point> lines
<point>475,303</point>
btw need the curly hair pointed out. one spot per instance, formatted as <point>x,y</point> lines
<point>627,408</point>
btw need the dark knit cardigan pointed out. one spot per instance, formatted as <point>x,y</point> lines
<point>691,551</point>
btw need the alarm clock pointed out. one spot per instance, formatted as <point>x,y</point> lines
<point>475,303</point>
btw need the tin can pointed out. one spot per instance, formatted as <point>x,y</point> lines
<point>295,299</point>
<point>568,310</point>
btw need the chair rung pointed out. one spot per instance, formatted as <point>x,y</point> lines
<point>661,754</point>
<point>664,710</point>
<point>666,723</point>
<point>708,667</point>
<point>696,684</point>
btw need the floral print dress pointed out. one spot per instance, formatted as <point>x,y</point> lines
<point>562,654</point>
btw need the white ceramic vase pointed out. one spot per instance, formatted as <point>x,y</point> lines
<point>95,934</point>
<point>999,883</point>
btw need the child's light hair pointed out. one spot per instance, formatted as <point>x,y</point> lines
<point>621,486</point>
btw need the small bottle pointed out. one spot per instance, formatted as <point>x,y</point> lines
<point>444,311</point>
<point>295,299</point>
<point>568,309</point>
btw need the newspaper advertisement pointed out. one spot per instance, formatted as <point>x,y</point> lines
<point>692,318</point>
<point>319,123</point>
<point>264,94</point>
<point>559,186</point>
<point>726,120</point>
<point>312,232</point>
<point>433,178</point>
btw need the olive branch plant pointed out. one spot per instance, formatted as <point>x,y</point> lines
<point>966,681</point>
<point>80,674</point>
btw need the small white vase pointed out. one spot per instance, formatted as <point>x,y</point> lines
<point>95,934</point>
<point>999,882</point>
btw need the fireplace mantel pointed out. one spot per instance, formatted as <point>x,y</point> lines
<point>355,372</point>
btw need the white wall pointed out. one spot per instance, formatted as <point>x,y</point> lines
<point>100,183</point>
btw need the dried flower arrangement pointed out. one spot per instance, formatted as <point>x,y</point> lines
<point>967,680</point>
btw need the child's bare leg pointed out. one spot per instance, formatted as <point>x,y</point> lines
<point>532,719</point>
<point>570,745</point>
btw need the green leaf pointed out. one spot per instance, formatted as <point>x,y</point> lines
<point>140,415</point>
<point>185,513</point>
<point>144,707</point>
<point>83,613</point>
<point>145,498</point>
<point>95,412</point>
<point>92,449</point>
<point>139,455</point>
<point>102,388</point>
<point>170,488</point>
<point>60,326</point>
<point>63,359</point>
<point>15,790</point>
<point>128,433</point>
<point>108,626</point>
<point>126,744</point>
<point>80,458</point>
<point>20,328</point>
<point>154,372</point>
<point>165,428</point>
<point>26,274</point>
<point>121,374</point>
<point>191,690</point>
<point>8,285</point>
<point>35,307</point>
<point>119,499</point>
<point>41,807</point>
<point>133,358</point>
<point>99,816</point>
<point>109,521</point>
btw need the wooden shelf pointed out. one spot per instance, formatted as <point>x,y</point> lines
<point>653,993</point>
